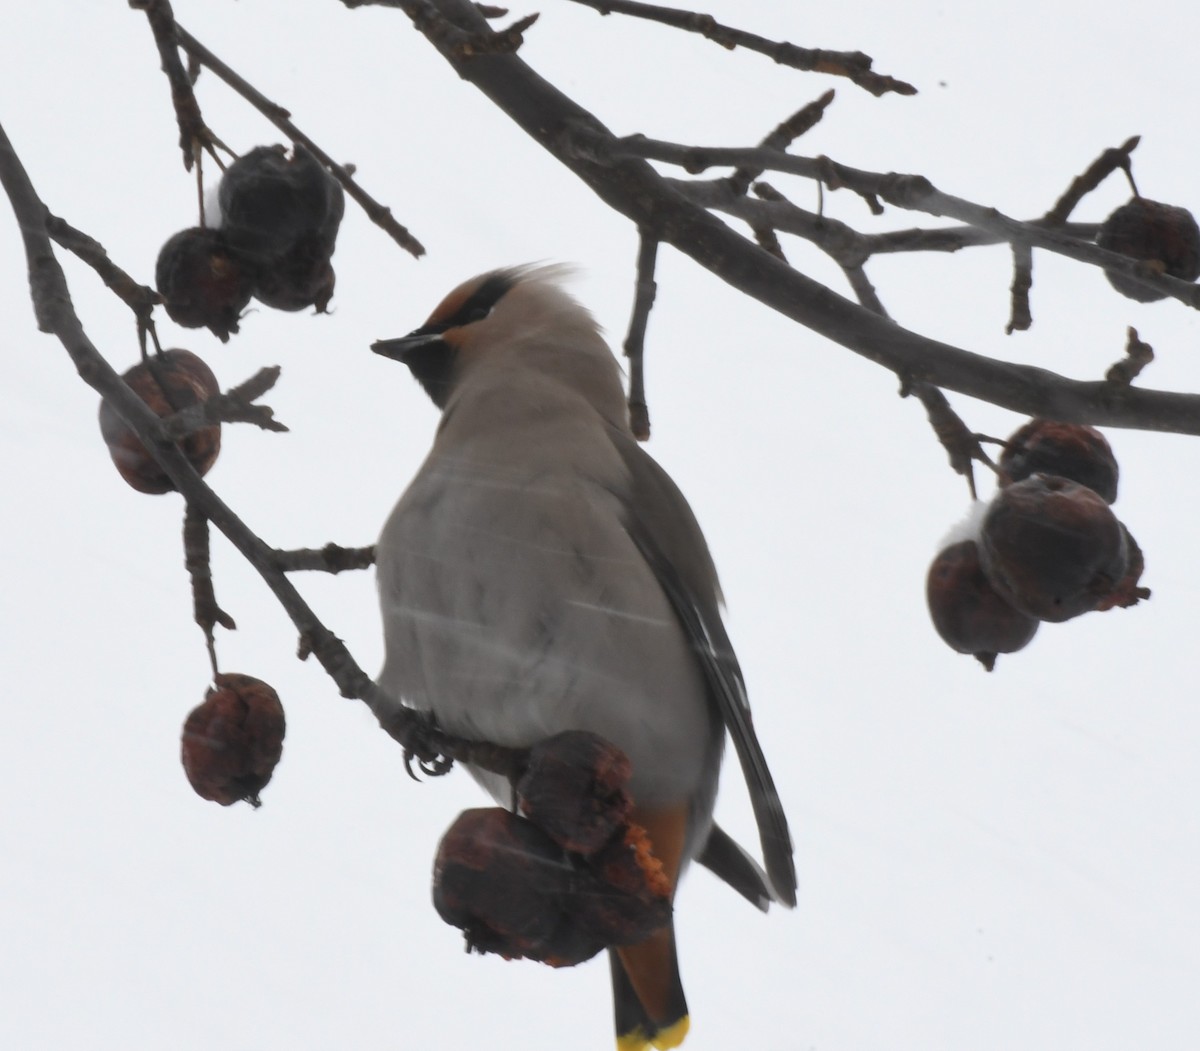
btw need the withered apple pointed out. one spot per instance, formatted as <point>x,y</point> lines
<point>1052,548</point>
<point>166,382</point>
<point>967,612</point>
<point>233,741</point>
<point>1069,450</point>
<point>1163,235</point>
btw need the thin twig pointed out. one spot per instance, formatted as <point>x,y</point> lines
<point>954,238</point>
<point>332,558</point>
<point>959,441</point>
<point>635,342</point>
<point>1020,319</point>
<point>187,111</point>
<point>853,65</point>
<point>234,406</point>
<point>277,115</point>
<point>764,233</point>
<point>781,138</point>
<point>911,192</point>
<point>498,42</point>
<point>1100,169</point>
<point>634,189</point>
<point>55,314</point>
<point>1137,356</point>
<point>767,240</point>
<point>864,291</point>
<point>204,599</point>
<point>141,299</point>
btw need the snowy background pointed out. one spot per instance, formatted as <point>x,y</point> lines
<point>1005,861</point>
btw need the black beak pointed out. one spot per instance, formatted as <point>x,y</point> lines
<point>400,349</point>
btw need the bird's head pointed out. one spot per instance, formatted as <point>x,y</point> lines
<point>510,315</point>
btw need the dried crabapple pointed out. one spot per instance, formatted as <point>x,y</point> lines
<point>204,283</point>
<point>575,789</point>
<point>1163,235</point>
<point>166,382</point>
<point>967,612</point>
<point>514,891</point>
<point>1069,450</point>
<point>233,741</point>
<point>1073,451</point>
<point>1052,548</point>
<point>283,215</point>
<point>1128,592</point>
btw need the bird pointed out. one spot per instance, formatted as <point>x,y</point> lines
<point>543,573</point>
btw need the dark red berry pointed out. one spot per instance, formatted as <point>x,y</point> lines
<point>1051,547</point>
<point>512,890</point>
<point>967,611</point>
<point>303,278</point>
<point>234,740</point>
<point>203,282</point>
<point>1128,592</point>
<point>283,215</point>
<point>1070,450</point>
<point>1165,236</point>
<point>575,789</point>
<point>167,383</point>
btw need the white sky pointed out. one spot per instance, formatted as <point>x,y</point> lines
<point>986,861</point>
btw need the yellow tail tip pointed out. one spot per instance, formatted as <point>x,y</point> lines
<point>672,1036</point>
<point>636,1040</point>
<point>664,1039</point>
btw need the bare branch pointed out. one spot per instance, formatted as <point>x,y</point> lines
<point>635,342</point>
<point>961,444</point>
<point>1137,356</point>
<point>911,192</point>
<point>204,599</point>
<point>953,238</point>
<point>1099,170</point>
<point>1020,318</point>
<point>141,299</point>
<point>864,291</point>
<point>765,236</point>
<point>281,118</point>
<point>500,41</point>
<point>332,558</point>
<point>633,188</point>
<point>55,314</point>
<point>234,406</point>
<point>192,128</point>
<point>853,65</point>
<point>781,138</point>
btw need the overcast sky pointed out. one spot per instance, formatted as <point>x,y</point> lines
<point>987,862</point>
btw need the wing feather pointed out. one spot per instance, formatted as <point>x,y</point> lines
<point>662,525</point>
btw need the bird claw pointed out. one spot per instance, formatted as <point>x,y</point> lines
<point>430,759</point>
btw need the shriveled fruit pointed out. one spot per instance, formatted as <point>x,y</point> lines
<point>1128,591</point>
<point>234,740</point>
<point>1163,235</point>
<point>167,383</point>
<point>1052,548</point>
<point>575,789</point>
<point>512,890</point>
<point>967,612</point>
<point>282,214</point>
<point>204,283</point>
<point>303,278</point>
<point>629,896</point>
<point>1070,450</point>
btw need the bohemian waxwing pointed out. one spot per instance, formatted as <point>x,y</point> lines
<point>542,573</point>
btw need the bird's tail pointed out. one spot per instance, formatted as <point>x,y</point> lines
<point>648,1002</point>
